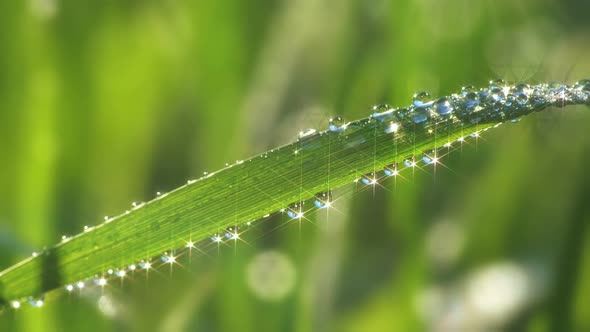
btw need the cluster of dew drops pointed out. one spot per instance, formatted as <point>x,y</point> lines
<point>497,103</point>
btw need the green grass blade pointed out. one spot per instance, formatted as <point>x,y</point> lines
<point>264,184</point>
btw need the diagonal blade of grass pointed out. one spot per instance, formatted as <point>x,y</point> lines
<point>249,190</point>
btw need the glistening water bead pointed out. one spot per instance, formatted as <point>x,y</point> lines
<point>391,170</point>
<point>337,124</point>
<point>168,258</point>
<point>557,92</point>
<point>429,157</point>
<point>422,100</point>
<point>369,179</point>
<point>444,106</point>
<point>409,161</point>
<point>232,233</point>
<point>382,112</point>
<point>100,281</point>
<point>420,115</point>
<point>323,200</point>
<point>146,265</point>
<point>470,98</point>
<point>216,238</point>
<point>521,93</point>
<point>496,90</point>
<point>36,301</point>
<point>295,211</point>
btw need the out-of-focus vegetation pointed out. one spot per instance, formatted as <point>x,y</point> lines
<point>103,103</point>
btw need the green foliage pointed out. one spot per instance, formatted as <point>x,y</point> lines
<point>107,102</point>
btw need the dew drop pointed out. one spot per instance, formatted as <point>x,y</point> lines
<point>497,94</point>
<point>382,112</point>
<point>232,233</point>
<point>556,93</point>
<point>70,288</point>
<point>80,284</point>
<point>323,200</point>
<point>216,238</point>
<point>521,93</point>
<point>497,106</point>
<point>168,258</point>
<point>36,302</point>
<point>120,273</point>
<point>509,100</point>
<point>420,115</point>
<point>466,90</point>
<point>496,91</point>
<point>471,100</point>
<point>556,86</point>
<point>484,94</point>
<point>132,267</point>
<point>337,125</point>
<point>100,281</point>
<point>410,162</point>
<point>429,157</point>
<point>539,97</point>
<point>391,170</point>
<point>402,113</point>
<point>146,265</point>
<point>583,88</point>
<point>369,179</point>
<point>497,83</point>
<point>295,211</point>
<point>422,100</point>
<point>15,304</point>
<point>444,106</point>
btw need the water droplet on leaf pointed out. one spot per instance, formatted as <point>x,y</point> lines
<point>369,179</point>
<point>382,112</point>
<point>391,170</point>
<point>36,301</point>
<point>232,233</point>
<point>295,211</point>
<point>337,125</point>
<point>323,200</point>
<point>521,93</point>
<point>444,106</point>
<point>422,99</point>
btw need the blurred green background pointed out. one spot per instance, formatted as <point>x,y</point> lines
<point>106,102</point>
